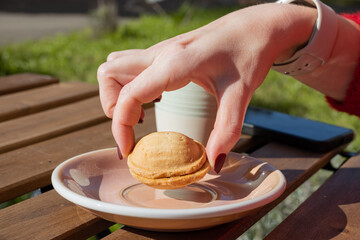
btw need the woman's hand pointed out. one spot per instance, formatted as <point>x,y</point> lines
<point>229,58</point>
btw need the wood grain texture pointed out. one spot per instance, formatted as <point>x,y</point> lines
<point>42,98</point>
<point>332,212</point>
<point>28,168</point>
<point>50,123</point>
<point>23,81</point>
<point>296,164</point>
<point>31,146</point>
<point>48,216</point>
<point>80,223</point>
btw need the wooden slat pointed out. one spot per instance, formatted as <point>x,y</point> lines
<point>50,123</point>
<point>79,224</point>
<point>50,210</point>
<point>247,144</point>
<point>42,98</point>
<point>23,81</point>
<point>332,212</point>
<point>48,216</point>
<point>26,169</point>
<point>297,166</point>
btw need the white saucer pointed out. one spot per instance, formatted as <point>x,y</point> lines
<point>101,183</point>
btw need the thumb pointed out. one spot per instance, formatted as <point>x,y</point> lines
<point>233,103</point>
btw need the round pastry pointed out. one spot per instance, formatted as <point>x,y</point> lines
<point>168,160</point>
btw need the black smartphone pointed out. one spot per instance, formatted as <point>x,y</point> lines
<point>300,132</point>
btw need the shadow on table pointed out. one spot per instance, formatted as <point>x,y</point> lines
<point>330,211</point>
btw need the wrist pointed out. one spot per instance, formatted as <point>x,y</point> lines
<point>280,31</point>
<point>295,30</point>
<point>318,49</point>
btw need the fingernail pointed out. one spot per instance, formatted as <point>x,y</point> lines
<point>140,120</point>
<point>219,162</point>
<point>119,153</point>
<point>157,99</point>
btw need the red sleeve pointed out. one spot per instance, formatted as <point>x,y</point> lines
<point>351,103</point>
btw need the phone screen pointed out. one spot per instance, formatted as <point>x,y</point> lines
<point>306,133</point>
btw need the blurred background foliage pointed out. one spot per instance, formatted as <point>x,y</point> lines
<point>76,57</point>
<point>344,3</point>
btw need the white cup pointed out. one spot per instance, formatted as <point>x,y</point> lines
<point>189,110</point>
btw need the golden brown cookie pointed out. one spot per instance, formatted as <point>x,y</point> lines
<point>168,160</point>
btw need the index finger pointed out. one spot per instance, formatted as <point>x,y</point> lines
<point>113,75</point>
<point>146,87</point>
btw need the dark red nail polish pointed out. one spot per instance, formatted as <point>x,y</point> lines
<point>157,99</point>
<point>140,120</point>
<point>119,153</point>
<point>219,162</point>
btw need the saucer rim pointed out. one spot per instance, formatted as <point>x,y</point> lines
<point>157,213</point>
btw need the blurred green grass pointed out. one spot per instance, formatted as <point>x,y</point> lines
<point>76,57</point>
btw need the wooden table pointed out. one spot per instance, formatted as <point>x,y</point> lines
<point>44,122</point>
